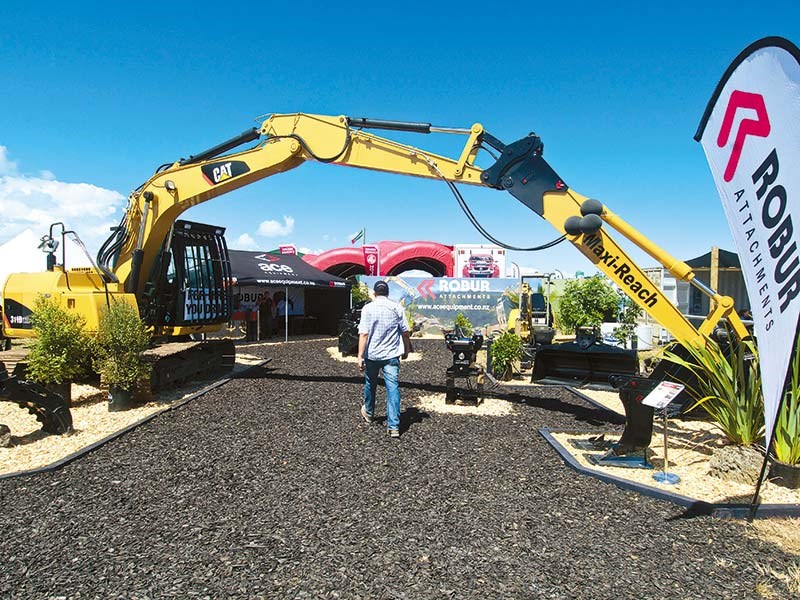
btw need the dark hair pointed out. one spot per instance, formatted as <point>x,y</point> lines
<point>381,288</point>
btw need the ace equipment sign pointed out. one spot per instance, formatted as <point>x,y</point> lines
<point>750,133</point>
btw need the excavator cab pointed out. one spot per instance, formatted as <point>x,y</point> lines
<point>191,281</point>
<point>190,288</point>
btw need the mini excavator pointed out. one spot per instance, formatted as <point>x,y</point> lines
<point>177,274</point>
<point>531,321</point>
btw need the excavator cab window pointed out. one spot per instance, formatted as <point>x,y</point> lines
<point>194,285</point>
<point>538,304</point>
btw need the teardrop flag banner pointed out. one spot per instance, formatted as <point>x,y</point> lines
<point>750,133</point>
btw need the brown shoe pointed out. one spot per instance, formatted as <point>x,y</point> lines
<point>394,433</point>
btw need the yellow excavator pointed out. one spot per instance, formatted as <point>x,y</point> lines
<point>176,273</point>
<point>531,319</point>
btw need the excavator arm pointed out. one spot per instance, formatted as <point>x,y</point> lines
<point>286,141</point>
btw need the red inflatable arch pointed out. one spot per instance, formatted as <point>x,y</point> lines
<point>395,258</point>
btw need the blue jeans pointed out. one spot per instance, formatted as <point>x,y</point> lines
<point>391,373</point>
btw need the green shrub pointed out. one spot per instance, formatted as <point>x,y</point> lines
<point>555,310</point>
<point>513,297</point>
<point>61,351</point>
<point>585,303</point>
<point>121,339</point>
<point>409,310</point>
<point>786,444</point>
<point>463,325</point>
<point>627,319</point>
<point>359,293</point>
<point>728,386</point>
<point>506,350</point>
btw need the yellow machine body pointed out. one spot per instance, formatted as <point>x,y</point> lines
<point>79,290</point>
<point>520,319</point>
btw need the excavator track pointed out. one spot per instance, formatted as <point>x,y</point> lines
<point>49,408</point>
<point>176,363</point>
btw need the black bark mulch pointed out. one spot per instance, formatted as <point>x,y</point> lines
<point>272,486</point>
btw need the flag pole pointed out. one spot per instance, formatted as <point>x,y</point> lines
<point>762,475</point>
<point>789,377</point>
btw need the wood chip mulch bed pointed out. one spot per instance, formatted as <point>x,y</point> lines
<point>272,486</point>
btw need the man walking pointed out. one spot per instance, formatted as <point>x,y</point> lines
<point>383,338</point>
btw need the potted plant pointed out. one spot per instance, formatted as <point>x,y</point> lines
<point>121,339</point>
<point>586,303</point>
<point>627,319</point>
<point>785,468</point>
<point>506,349</point>
<point>61,349</point>
<point>727,384</point>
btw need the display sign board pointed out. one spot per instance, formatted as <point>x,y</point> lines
<point>480,261</point>
<point>250,298</point>
<point>664,393</point>
<point>288,249</point>
<point>372,262</point>
<point>434,302</point>
<point>197,304</point>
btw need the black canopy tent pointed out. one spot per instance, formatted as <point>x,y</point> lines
<point>327,297</point>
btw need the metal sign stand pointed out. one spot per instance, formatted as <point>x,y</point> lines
<point>664,393</point>
<point>663,476</point>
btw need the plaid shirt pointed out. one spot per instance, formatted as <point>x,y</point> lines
<point>384,321</point>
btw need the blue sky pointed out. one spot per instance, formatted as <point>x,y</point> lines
<point>97,95</point>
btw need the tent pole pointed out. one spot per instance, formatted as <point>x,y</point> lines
<point>286,316</point>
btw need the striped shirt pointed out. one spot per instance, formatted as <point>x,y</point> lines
<point>384,321</point>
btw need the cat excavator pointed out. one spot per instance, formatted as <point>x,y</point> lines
<point>176,273</point>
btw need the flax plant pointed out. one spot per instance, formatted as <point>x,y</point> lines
<point>727,384</point>
<point>786,444</point>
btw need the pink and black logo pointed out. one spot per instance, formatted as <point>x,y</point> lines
<point>425,289</point>
<point>757,127</point>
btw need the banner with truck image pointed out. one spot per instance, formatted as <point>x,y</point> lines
<point>434,302</point>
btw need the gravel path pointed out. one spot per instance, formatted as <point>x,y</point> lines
<point>271,486</point>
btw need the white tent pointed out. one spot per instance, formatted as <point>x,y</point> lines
<point>21,254</point>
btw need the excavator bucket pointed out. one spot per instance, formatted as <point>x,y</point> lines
<point>586,360</point>
<point>49,408</point>
<point>630,451</point>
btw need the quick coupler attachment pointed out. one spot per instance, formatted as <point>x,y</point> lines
<point>464,367</point>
